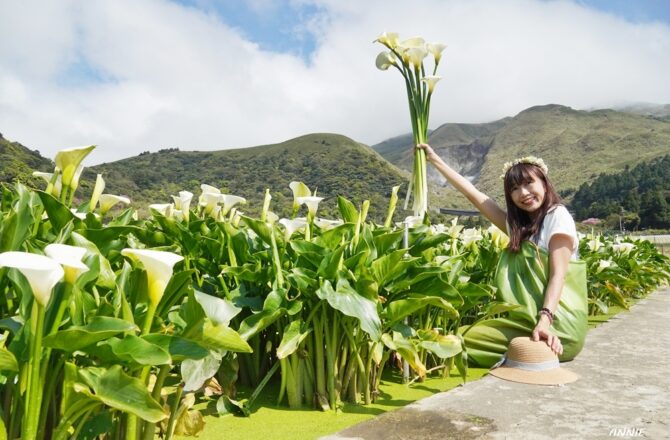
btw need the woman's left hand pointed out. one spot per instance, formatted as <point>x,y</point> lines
<point>541,332</point>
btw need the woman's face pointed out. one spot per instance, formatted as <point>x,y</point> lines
<point>529,194</point>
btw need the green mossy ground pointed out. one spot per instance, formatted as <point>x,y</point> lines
<point>272,422</point>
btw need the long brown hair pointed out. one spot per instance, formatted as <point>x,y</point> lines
<point>521,225</point>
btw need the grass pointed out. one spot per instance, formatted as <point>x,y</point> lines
<point>272,422</point>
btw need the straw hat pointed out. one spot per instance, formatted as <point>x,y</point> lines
<point>532,362</point>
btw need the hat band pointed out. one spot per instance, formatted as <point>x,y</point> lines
<point>534,366</point>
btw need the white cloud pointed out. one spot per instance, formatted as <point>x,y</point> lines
<point>182,78</point>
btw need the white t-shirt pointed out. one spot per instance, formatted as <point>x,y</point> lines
<point>557,221</point>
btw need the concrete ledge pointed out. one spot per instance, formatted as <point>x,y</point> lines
<point>623,391</point>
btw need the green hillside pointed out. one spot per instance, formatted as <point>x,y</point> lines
<point>576,145</point>
<point>328,163</point>
<point>18,162</point>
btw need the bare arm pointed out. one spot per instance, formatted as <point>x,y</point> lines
<point>486,205</point>
<point>560,250</point>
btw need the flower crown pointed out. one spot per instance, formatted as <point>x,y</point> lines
<point>532,160</point>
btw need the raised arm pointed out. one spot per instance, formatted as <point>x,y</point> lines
<point>486,205</point>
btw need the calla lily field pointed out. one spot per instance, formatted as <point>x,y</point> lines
<point>114,325</point>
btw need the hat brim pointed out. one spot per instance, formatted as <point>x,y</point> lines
<point>555,376</point>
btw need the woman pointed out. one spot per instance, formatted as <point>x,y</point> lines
<point>539,271</point>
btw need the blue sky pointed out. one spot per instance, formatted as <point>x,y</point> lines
<point>140,75</point>
<point>280,25</point>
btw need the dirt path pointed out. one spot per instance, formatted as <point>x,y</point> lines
<point>623,392</point>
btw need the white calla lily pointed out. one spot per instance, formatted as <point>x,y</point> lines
<point>413,220</point>
<point>499,238</point>
<point>165,209</point>
<point>97,191</point>
<point>431,80</point>
<point>471,236</point>
<point>271,218</point>
<point>68,161</point>
<point>209,201</point>
<point>47,177</point>
<point>107,201</point>
<point>292,225</point>
<point>183,203</point>
<point>159,266</point>
<point>436,50</point>
<point>415,56</point>
<point>311,202</point>
<point>388,39</point>
<point>604,264</point>
<point>70,258</point>
<point>299,190</point>
<point>42,273</point>
<point>385,60</point>
<point>623,248</point>
<point>229,201</point>
<point>327,224</point>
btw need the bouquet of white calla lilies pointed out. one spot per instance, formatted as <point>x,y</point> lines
<point>408,57</point>
<point>42,272</point>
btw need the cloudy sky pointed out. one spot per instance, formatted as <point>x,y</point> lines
<point>136,75</point>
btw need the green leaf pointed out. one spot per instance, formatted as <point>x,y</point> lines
<point>348,211</point>
<point>406,350</point>
<point>99,329</point>
<point>179,348</point>
<point>117,390</point>
<point>59,214</point>
<point>292,338</point>
<point>7,360</point>
<point>398,309</point>
<point>219,337</point>
<point>262,229</point>
<point>390,265</point>
<point>140,351</point>
<point>195,372</point>
<point>443,346</point>
<point>348,301</point>
<point>17,224</point>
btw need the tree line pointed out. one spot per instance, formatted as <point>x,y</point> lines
<point>639,197</point>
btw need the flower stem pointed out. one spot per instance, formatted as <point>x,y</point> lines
<point>31,416</point>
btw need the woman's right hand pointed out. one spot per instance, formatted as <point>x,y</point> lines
<point>431,155</point>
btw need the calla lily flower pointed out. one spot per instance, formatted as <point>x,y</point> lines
<point>229,201</point>
<point>165,209</point>
<point>207,189</point>
<point>70,258</point>
<point>327,224</point>
<point>183,203</point>
<point>413,42</point>
<point>266,204</point>
<point>431,80</point>
<point>413,220</point>
<point>209,201</point>
<point>604,264</point>
<point>159,266</point>
<point>97,191</point>
<point>436,49</point>
<point>311,202</point>
<point>292,225</point>
<point>415,56</point>
<point>42,273</point>
<point>499,238</point>
<point>107,201</point>
<point>471,236</point>
<point>48,176</point>
<point>68,161</point>
<point>271,218</point>
<point>388,39</point>
<point>594,244</point>
<point>385,60</point>
<point>623,248</point>
<point>299,190</point>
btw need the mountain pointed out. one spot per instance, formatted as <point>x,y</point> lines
<point>329,164</point>
<point>18,162</point>
<point>576,145</point>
